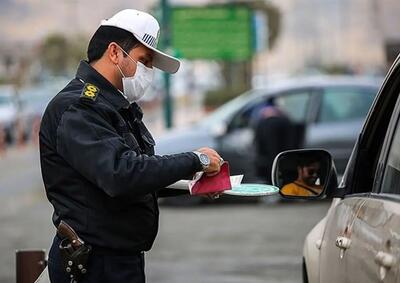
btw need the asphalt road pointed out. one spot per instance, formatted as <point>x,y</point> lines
<point>215,243</point>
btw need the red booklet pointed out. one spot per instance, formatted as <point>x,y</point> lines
<point>212,184</point>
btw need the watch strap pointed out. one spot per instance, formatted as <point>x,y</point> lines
<point>203,165</point>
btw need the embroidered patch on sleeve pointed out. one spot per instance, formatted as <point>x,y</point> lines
<point>90,91</point>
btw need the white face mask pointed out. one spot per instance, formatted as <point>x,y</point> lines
<point>136,86</point>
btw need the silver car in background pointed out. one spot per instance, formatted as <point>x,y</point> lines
<point>33,101</point>
<point>8,112</point>
<point>328,110</point>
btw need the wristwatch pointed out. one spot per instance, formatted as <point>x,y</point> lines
<point>203,158</point>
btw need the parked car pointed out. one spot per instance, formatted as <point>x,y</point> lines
<point>33,100</point>
<point>358,239</point>
<point>330,109</point>
<point>8,111</point>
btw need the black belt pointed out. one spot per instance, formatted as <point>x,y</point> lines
<point>96,250</point>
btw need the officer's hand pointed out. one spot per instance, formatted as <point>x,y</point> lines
<point>211,196</point>
<point>215,160</point>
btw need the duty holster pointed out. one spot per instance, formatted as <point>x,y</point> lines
<point>74,252</point>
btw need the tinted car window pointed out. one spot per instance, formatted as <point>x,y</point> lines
<point>247,116</point>
<point>223,113</point>
<point>342,104</point>
<point>295,105</point>
<point>391,179</point>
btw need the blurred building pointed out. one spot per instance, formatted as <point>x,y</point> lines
<point>362,35</point>
<point>350,33</point>
<point>25,23</point>
<point>30,20</point>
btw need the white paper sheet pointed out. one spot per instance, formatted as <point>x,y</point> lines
<point>236,180</point>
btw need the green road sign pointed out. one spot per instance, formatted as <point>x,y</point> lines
<point>215,32</point>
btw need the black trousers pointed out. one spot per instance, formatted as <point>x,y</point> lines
<point>102,268</point>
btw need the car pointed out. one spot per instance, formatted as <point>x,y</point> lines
<point>358,240</point>
<point>8,111</point>
<point>33,100</point>
<point>331,109</point>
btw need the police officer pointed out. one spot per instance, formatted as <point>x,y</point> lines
<point>97,157</point>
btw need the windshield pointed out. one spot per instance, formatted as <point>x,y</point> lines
<point>224,112</point>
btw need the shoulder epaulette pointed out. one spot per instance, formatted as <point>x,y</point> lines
<point>90,92</point>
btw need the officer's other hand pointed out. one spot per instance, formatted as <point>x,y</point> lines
<point>215,160</point>
<point>211,196</point>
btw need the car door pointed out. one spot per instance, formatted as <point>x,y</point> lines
<point>375,239</point>
<point>236,145</point>
<point>338,228</point>
<point>360,242</point>
<point>341,114</point>
<point>300,106</point>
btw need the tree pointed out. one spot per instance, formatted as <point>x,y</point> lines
<point>238,75</point>
<point>53,54</point>
<point>60,55</point>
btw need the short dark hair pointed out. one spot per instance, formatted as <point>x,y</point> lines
<point>306,160</point>
<point>103,36</point>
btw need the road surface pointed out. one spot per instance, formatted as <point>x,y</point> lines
<point>218,243</point>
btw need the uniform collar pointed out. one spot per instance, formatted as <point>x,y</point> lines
<point>137,111</point>
<point>88,74</point>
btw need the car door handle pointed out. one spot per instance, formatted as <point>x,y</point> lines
<point>385,259</point>
<point>343,243</point>
<point>318,244</point>
<point>385,262</point>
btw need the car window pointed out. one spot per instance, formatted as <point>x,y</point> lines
<point>391,179</point>
<point>365,170</point>
<point>223,113</point>
<point>343,104</point>
<point>247,117</point>
<point>295,105</point>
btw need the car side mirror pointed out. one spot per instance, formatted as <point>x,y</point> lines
<point>305,173</point>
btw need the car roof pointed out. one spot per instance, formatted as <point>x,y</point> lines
<point>318,82</point>
<point>281,86</point>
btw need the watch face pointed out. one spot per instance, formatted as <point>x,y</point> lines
<point>204,159</point>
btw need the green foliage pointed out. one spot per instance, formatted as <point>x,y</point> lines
<point>274,23</point>
<point>77,50</point>
<point>54,53</point>
<point>215,98</point>
<point>3,80</point>
<point>59,54</point>
<point>336,69</point>
<point>273,17</point>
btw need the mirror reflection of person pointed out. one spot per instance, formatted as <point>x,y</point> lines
<point>307,182</point>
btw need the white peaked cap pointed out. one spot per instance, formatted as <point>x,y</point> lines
<point>147,30</point>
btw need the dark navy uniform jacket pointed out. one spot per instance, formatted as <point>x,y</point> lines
<point>99,168</point>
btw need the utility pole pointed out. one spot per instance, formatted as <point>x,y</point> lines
<point>168,105</point>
